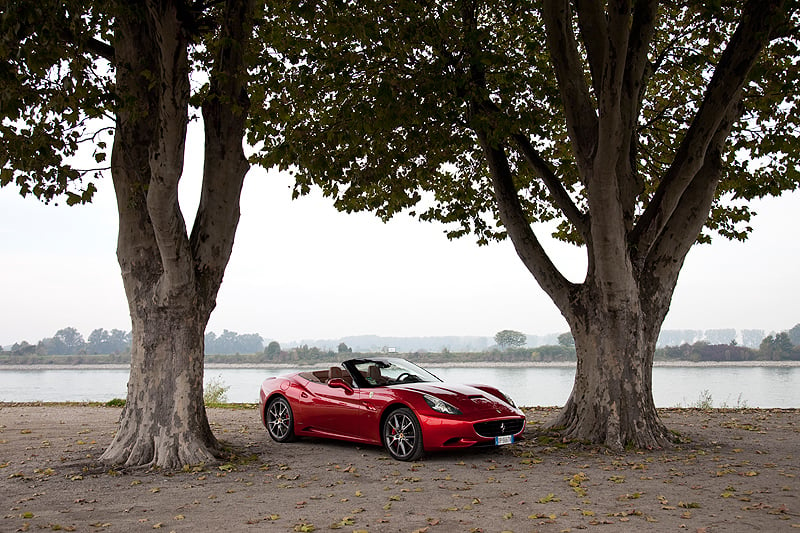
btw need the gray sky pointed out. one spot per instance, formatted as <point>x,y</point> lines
<point>301,270</point>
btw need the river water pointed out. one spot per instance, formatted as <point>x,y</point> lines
<point>687,385</point>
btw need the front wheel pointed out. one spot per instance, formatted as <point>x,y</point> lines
<point>402,435</point>
<point>280,420</point>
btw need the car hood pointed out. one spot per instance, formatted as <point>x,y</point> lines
<point>469,400</point>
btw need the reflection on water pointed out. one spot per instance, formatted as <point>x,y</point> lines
<point>751,386</point>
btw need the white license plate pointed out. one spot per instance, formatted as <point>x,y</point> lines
<point>504,439</point>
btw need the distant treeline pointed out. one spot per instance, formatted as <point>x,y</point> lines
<point>69,341</point>
<point>773,348</point>
<point>67,346</point>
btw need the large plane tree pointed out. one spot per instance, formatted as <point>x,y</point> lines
<point>90,88</point>
<point>636,129</point>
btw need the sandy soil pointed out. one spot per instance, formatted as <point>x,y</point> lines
<point>736,471</point>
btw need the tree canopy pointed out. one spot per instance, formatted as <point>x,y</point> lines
<point>392,128</point>
<point>508,338</point>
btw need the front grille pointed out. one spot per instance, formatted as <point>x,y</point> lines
<point>497,428</point>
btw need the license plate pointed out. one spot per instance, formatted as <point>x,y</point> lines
<point>504,439</point>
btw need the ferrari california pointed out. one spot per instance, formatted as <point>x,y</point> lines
<point>388,402</point>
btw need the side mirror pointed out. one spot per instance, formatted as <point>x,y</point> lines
<point>339,383</point>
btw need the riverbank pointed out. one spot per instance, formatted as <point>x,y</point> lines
<point>455,364</point>
<point>735,470</point>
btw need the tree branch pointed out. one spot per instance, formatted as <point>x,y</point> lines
<point>554,185</point>
<point>580,113</point>
<point>633,89</point>
<point>166,159</point>
<point>594,33</point>
<point>681,230</point>
<point>225,111</point>
<point>752,34</point>
<point>99,48</point>
<point>528,247</point>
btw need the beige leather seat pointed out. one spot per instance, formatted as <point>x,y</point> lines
<point>335,372</point>
<point>375,373</point>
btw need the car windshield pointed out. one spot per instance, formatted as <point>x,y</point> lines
<point>383,372</point>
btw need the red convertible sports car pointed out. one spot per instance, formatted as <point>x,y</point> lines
<point>389,402</point>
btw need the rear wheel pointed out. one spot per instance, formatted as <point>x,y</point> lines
<point>402,435</point>
<point>280,420</point>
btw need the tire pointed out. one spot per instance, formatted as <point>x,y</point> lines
<point>402,435</point>
<point>280,420</point>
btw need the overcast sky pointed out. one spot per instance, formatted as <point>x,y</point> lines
<point>301,270</point>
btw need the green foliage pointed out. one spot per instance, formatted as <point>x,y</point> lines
<point>554,354</point>
<point>705,401</point>
<point>778,347</point>
<point>343,348</point>
<point>566,339</point>
<point>392,127</point>
<point>55,96</point>
<point>115,402</point>
<point>740,403</point>
<point>215,392</point>
<point>273,349</point>
<point>508,338</point>
<point>703,351</point>
<point>378,109</point>
<point>30,357</point>
<point>231,342</point>
<point>773,348</point>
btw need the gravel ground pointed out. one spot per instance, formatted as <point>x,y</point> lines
<point>736,471</point>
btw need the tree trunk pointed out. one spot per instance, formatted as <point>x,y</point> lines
<point>171,280</point>
<point>612,398</point>
<point>164,420</point>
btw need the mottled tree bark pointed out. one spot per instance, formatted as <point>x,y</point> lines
<point>171,279</point>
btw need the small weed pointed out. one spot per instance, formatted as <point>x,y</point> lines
<point>704,401</point>
<point>115,402</point>
<point>215,393</point>
<point>740,404</point>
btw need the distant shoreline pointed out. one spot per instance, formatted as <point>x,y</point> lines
<point>462,364</point>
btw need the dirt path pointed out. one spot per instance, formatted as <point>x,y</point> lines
<point>738,471</point>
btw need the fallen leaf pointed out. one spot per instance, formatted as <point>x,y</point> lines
<point>549,498</point>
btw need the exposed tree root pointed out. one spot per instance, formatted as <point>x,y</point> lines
<point>608,428</point>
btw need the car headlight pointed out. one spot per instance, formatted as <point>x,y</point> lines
<point>508,399</point>
<point>440,406</point>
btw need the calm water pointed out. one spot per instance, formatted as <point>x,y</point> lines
<point>753,386</point>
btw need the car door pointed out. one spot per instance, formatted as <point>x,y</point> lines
<point>334,410</point>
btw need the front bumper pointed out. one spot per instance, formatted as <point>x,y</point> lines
<point>440,433</point>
